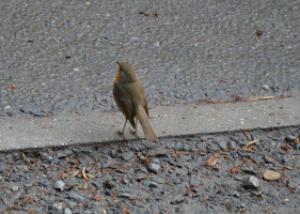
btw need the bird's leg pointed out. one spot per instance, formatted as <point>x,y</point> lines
<point>121,132</point>
<point>133,130</point>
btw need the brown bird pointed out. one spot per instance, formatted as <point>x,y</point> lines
<point>130,97</point>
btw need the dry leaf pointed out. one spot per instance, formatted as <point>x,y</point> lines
<point>250,146</point>
<point>234,170</point>
<point>213,160</point>
<point>125,210</point>
<point>12,86</point>
<point>271,175</point>
<point>84,174</point>
<point>75,173</point>
<point>286,147</point>
<point>96,197</point>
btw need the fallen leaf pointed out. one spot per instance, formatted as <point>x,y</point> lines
<point>125,210</point>
<point>64,175</point>
<point>84,174</point>
<point>96,197</point>
<point>12,86</point>
<point>250,146</point>
<point>213,160</point>
<point>75,173</point>
<point>234,170</point>
<point>271,175</point>
<point>286,147</point>
<point>31,211</point>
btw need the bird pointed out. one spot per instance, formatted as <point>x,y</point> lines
<point>129,95</point>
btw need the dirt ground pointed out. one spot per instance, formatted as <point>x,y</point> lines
<point>221,173</point>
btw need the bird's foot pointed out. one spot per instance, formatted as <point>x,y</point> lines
<point>134,132</point>
<point>121,134</point>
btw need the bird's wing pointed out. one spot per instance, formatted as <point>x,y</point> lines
<point>123,100</point>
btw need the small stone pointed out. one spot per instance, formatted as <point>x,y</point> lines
<point>2,167</point>
<point>14,188</point>
<point>291,139</point>
<point>57,208</point>
<point>108,184</point>
<point>178,200</point>
<point>179,146</point>
<point>44,182</point>
<point>76,197</point>
<point>296,146</point>
<point>268,159</point>
<point>248,170</point>
<point>67,211</point>
<point>154,165</point>
<point>236,194</point>
<point>159,180</point>
<point>223,145</point>
<point>151,184</point>
<point>195,180</point>
<point>231,145</point>
<point>271,175</point>
<point>125,195</point>
<point>140,176</point>
<point>127,155</point>
<point>59,185</point>
<point>234,155</point>
<point>251,182</point>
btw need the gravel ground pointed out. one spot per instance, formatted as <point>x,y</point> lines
<point>60,55</point>
<point>221,173</point>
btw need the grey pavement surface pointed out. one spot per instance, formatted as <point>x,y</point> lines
<point>60,55</point>
<point>169,121</point>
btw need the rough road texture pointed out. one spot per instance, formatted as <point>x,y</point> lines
<point>60,55</point>
<point>173,176</point>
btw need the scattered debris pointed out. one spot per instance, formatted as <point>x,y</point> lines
<point>213,160</point>
<point>251,182</point>
<point>250,146</point>
<point>149,14</point>
<point>259,33</point>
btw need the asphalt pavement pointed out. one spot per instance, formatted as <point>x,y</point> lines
<point>59,56</point>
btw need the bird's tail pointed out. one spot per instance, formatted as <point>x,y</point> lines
<point>146,125</point>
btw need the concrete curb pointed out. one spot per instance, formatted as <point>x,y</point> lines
<point>99,127</point>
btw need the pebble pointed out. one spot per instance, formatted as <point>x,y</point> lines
<point>251,182</point>
<point>271,175</point>
<point>125,195</point>
<point>44,182</point>
<point>151,184</point>
<point>249,170</point>
<point>154,165</point>
<point>57,208</point>
<point>231,145</point>
<point>59,185</point>
<point>67,211</point>
<point>76,197</point>
<point>14,188</point>
<point>223,145</point>
<point>296,146</point>
<point>291,138</point>
<point>2,166</point>
<point>178,200</point>
<point>181,147</point>
<point>269,159</point>
<point>127,155</point>
<point>195,180</point>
